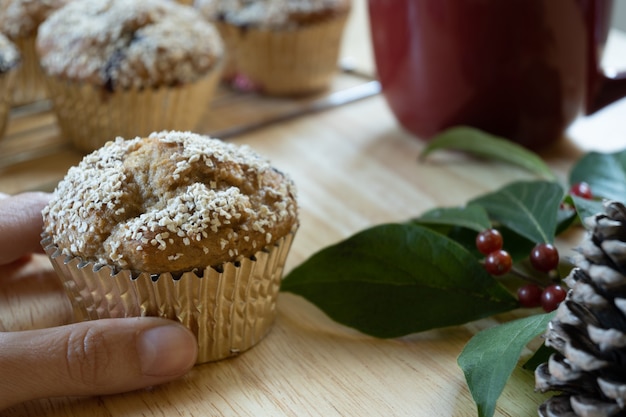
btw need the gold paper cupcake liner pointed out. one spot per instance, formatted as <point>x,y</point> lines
<point>29,85</point>
<point>229,309</point>
<point>90,116</point>
<point>6,88</point>
<point>291,62</point>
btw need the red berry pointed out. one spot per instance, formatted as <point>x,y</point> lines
<point>582,190</point>
<point>529,295</point>
<point>488,241</point>
<point>552,296</point>
<point>544,257</point>
<point>498,262</point>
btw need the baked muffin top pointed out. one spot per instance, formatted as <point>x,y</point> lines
<point>128,43</point>
<point>21,18</point>
<point>273,14</point>
<point>9,55</point>
<point>171,202</point>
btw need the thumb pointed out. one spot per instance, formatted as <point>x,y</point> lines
<point>93,358</point>
<point>20,225</point>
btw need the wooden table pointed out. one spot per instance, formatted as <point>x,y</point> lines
<point>354,168</point>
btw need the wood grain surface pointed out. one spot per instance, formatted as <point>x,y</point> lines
<point>354,168</point>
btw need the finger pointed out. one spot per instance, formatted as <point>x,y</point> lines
<point>21,225</point>
<point>93,358</point>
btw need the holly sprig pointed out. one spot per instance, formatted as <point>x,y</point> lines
<point>395,279</point>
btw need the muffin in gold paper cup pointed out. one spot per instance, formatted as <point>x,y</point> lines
<point>283,47</point>
<point>175,225</point>
<point>128,68</point>
<point>20,20</point>
<point>284,63</point>
<point>9,64</point>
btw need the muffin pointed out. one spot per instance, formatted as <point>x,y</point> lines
<point>19,20</point>
<point>9,65</point>
<point>283,47</point>
<point>128,68</point>
<point>175,225</point>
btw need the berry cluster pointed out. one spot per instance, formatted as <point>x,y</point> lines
<point>497,261</point>
<point>544,258</point>
<point>549,298</point>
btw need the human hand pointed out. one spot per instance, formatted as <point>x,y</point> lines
<point>89,358</point>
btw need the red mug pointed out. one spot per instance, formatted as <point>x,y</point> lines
<point>521,69</point>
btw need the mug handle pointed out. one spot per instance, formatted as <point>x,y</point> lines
<point>603,89</point>
<point>609,89</point>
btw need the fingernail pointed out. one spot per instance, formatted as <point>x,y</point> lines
<point>169,350</point>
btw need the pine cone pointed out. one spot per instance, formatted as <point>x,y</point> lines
<point>588,331</point>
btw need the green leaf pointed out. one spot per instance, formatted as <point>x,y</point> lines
<point>586,208</point>
<point>471,217</point>
<point>396,279</point>
<point>604,172</point>
<point>566,217</point>
<point>528,208</point>
<point>517,246</point>
<point>461,226</point>
<point>490,356</point>
<point>482,144</point>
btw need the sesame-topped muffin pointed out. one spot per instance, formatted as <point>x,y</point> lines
<point>284,47</point>
<point>9,63</point>
<point>128,67</point>
<point>175,213</point>
<point>120,44</point>
<point>19,21</point>
<point>171,202</point>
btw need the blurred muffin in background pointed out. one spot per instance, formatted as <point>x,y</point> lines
<point>9,65</point>
<point>283,47</point>
<point>19,21</point>
<point>128,68</point>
